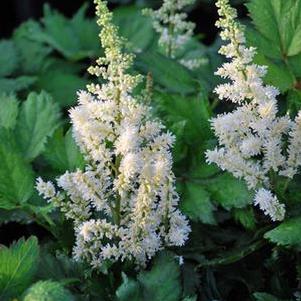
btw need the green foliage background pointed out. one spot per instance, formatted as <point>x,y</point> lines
<point>234,252</point>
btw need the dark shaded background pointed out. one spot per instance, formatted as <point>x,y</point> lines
<point>14,12</point>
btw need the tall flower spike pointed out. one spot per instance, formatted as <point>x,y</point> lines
<point>124,204</point>
<point>170,22</point>
<point>251,137</point>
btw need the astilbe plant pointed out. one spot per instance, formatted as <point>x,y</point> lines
<point>124,203</point>
<point>255,143</point>
<point>170,22</point>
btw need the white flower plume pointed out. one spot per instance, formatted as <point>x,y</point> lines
<point>252,137</point>
<point>169,21</point>
<point>124,203</point>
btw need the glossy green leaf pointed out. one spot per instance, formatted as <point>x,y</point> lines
<point>38,119</point>
<point>136,28</point>
<point>62,86</point>
<point>175,78</point>
<point>75,38</point>
<point>62,153</point>
<point>162,282</point>
<point>287,233</point>
<point>8,58</point>
<point>10,85</point>
<point>129,290</point>
<point>47,291</point>
<point>280,22</point>
<point>196,203</point>
<point>16,176</point>
<point>18,264</point>
<point>9,111</point>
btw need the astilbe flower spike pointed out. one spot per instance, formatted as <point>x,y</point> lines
<point>124,203</point>
<point>170,22</point>
<point>252,137</point>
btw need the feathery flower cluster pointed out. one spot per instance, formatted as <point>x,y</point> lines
<point>124,204</point>
<point>170,22</point>
<point>252,137</point>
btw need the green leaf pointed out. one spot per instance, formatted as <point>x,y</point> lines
<point>129,290</point>
<point>9,111</point>
<point>18,264</point>
<point>162,282</point>
<point>246,217</point>
<point>229,192</point>
<point>280,22</point>
<point>136,28</point>
<point>32,54</point>
<point>294,101</point>
<point>196,204</point>
<point>8,58</point>
<point>58,267</point>
<point>38,119</point>
<point>62,152</point>
<point>294,63</point>
<point>287,233</point>
<point>16,176</point>
<point>192,113</point>
<point>10,85</point>
<point>175,78</point>
<point>62,86</point>
<point>263,44</point>
<point>47,291</point>
<point>265,297</point>
<point>278,74</point>
<point>75,38</point>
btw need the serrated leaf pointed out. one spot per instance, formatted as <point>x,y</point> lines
<point>196,204</point>
<point>265,297</point>
<point>264,45</point>
<point>32,54</point>
<point>192,112</point>
<point>175,78</point>
<point>129,290</point>
<point>16,176</point>
<point>9,111</point>
<point>280,22</point>
<point>8,58</point>
<point>74,38</point>
<point>287,233</point>
<point>162,282</point>
<point>47,291</point>
<point>18,264</point>
<point>10,85</point>
<point>58,267</point>
<point>136,28</point>
<point>38,119</point>
<point>63,153</point>
<point>62,86</point>
<point>278,75</point>
<point>229,192</point>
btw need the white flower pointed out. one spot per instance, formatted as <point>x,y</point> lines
<point>124,203</point>
<point>128,140</point>
<point>46,189</point>
<point>170,22</point>
<point>251,138</point>
<point>269,204</point>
